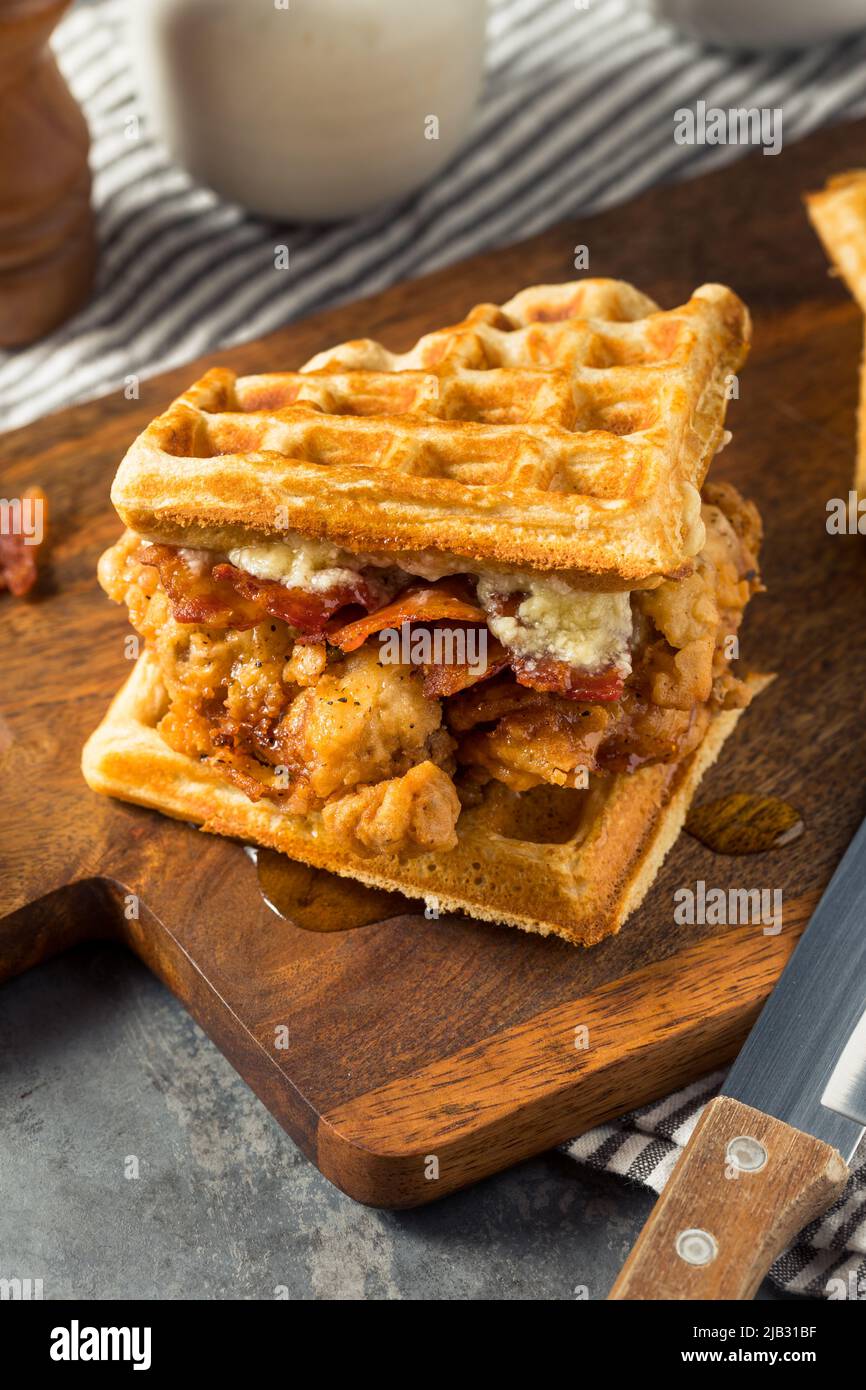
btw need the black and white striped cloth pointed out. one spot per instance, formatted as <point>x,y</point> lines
<point>576,115</point>
<point>829,1258</point>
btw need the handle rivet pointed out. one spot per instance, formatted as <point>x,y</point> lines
<point>746,1153</point>
<point>696,1247</point>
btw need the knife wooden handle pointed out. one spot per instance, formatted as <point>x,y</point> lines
<point>744,1186</point>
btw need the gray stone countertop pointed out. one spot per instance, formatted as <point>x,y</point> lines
<point>99,1064</point>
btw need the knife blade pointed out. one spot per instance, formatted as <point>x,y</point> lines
<point>770,1152</point>
<point>805,1059</point>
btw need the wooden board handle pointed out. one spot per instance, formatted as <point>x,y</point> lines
<point>743,1188</point>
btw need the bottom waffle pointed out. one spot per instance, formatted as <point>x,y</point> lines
<point>554,860</point>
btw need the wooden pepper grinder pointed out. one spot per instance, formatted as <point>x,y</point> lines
<point>47,240</point>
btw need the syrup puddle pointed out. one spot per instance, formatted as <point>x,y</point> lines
<point>320,901</point>
<point>744,824</point>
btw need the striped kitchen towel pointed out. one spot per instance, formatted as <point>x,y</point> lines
<point>576,115</point>
<point>829,1258</point>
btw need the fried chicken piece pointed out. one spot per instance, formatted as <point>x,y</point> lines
<point>127,581</point>
<point>224,685</point>
<point>306,664</point>
<point>644,732</point>
<point>538,737</point>
<point>697,615</point>
<point>412,813</point>
<point>362,722</point>
<point>743,516</point>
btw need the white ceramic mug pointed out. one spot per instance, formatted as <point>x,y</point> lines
<point>309,109</point>
<point>763,23</point>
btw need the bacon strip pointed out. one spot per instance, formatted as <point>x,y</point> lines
<point>194,597</point>
<point>224,596</point>
<point>441,681</point>
<point>300,608</point>
<point>546,673</point>
<point>17,565</point>
<point>445,600</point>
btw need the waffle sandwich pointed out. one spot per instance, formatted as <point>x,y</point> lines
<point>457,622</point>
<point>838,214</point>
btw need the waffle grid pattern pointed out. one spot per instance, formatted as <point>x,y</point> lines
<point>582,405</point>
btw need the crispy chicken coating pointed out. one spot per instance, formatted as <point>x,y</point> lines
<point>413,813</point>
<point>361,722</point>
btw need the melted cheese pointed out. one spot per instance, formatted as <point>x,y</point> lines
<point>591,631</point>
<point>301,563</point>
<point>298,564</point>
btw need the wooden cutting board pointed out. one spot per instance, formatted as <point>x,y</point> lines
<point>408,1040</point>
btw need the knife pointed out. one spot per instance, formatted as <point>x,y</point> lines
<point>771,1152</point>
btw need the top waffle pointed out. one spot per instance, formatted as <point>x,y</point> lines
<point>568,429</point>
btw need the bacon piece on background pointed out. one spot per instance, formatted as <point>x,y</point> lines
<point>17,565</point>
<point>439,602</point>
<point>19,555</point>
